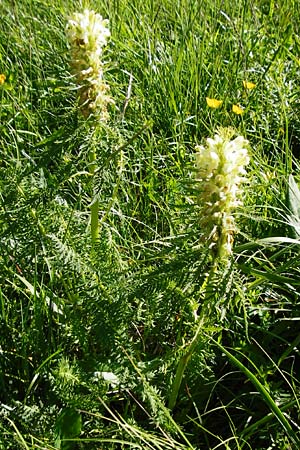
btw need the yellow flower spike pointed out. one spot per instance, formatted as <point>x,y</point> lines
<point>88,34</point>
<point>249,85</point>
<point>213,102</point>
<point>237,110</point>
<point>2,78</point>
<point>220,164</point>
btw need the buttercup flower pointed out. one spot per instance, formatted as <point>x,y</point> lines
<point>2,78</point>
<point>237,110</point>
<point>248,85</point>
<point>88,33</point>
<point>213,102</point>
<point>220,172</point>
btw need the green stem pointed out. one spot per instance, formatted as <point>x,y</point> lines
<point>183,362</point>
<point>205,316</point>
<point>95,201</point>
<point>95,221</point>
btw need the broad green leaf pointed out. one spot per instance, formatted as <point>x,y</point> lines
<point>68,426</point>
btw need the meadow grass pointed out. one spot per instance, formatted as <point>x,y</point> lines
<point>93,329</point>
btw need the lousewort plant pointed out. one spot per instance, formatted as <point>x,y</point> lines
<point>88,33</point>
<point>220,171</point>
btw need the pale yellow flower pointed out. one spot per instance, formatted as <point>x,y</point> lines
<point>220,172</point>
<point>2,78</point>
<point>249,85</point>
<point>88,33</point>
<point>237,110</point>
<point>213,102</point>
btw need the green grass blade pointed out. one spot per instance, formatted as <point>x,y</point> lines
<point>264,393</point>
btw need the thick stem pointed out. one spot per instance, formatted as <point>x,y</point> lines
<point>95,221</point>
<point>183,362</point>
<point>178,378</point>
<point>95,201</point>
<point>203,319</point>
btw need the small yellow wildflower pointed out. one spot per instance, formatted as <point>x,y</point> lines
<point>249,85</point>
<point>2,78</point>
<point>213,103</point>
<point>237,110</point>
